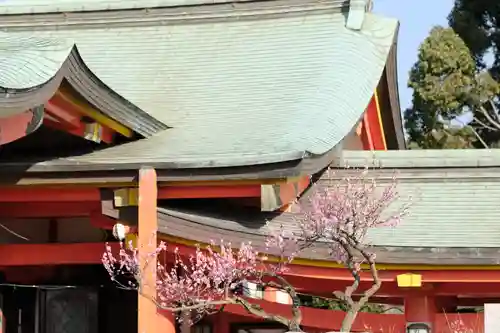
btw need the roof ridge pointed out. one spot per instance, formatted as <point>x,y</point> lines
<point>62,6</point>
<point>141,15</point>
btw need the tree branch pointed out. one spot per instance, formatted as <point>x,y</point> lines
<point>294,323</point>
<point>475,119</point>
<point>487,115</point>
<point>355,274</point>
<point>374,273</point>
<point>257,311</point>
<point>199,305</point>
<point>355,307</point>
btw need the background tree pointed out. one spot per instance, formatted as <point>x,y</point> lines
<point>477,22</point>
<point>453,102</point>
<point>337,219</point>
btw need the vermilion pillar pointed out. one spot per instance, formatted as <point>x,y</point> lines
<point>149,318</point>
<point>420,308</point>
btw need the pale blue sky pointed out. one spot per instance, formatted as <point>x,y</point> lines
<point>416,17</point>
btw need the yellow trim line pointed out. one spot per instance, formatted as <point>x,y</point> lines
<point>331,264</point>
<point>379,116</point>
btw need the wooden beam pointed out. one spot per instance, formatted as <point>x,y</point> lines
<point>129,196</point>
<point>485,289</point>
<point>66,117</point>
<point>36,194</point>
<point>51,254</point>
<point>222,191</point>
<point>47,209</point>
<point>98,220</point>
<point>280,196</point>
<point>67,98</point>
<point>323,287</point>
<point>90,131</point>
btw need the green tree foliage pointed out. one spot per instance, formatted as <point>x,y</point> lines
<point>335,304</point>
<point>477,22</point>
<point>446,86</point>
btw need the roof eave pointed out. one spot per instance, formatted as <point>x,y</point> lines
<point>392,82</point>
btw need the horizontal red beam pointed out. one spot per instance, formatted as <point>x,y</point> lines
<point>391,290</point>
<point>193,192</point>
<point>47,209</point>
<point>437,275</point>
<point>67,117</point>
<point>36,194</point>
<point>51,254</point>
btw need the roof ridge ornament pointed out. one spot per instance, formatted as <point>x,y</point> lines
<point>357,11</point>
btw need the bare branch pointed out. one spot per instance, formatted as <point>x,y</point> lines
<point>490,119</point>
<point>294,323</point>
<point>12,232</point>
<point>482,124</point>
<point>257,311</point>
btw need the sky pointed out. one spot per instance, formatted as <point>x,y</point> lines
<point>416,17</point>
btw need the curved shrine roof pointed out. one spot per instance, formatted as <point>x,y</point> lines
<point>210,86</point>
<point>32,68</point>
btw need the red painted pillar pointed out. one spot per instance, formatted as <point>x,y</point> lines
<point>150,320</point>
<point>420,308</point>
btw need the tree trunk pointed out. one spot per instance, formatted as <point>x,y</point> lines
<point>349,320</point>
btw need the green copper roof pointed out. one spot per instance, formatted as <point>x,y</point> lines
<point>23,56</point>
<point>32,68</point>
<point>59,6</point>
<point>253,83</point>
<point>453,195</point>
<point>29,64</point>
